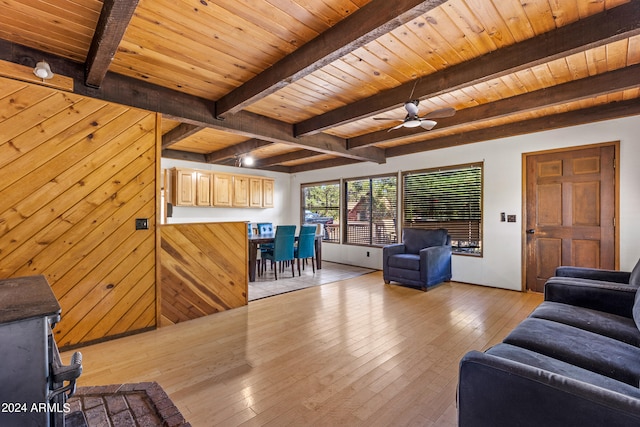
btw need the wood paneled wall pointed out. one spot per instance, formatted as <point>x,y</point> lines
<point>204,269</point>
<point>75,173</point>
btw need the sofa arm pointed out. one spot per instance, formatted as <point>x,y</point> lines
<point>494,391</point>
<point>594,274</point>
<point>610,297</point>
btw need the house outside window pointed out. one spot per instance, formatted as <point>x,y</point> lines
<point>321,206</point>
<point>448,198</point>
<point>371,210</point>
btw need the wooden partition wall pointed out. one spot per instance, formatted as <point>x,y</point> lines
<point>75,173</point>
<point>204,269</point>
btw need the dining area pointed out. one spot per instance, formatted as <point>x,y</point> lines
<point>283,249</point>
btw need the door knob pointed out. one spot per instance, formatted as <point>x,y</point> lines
<point>531,231</point>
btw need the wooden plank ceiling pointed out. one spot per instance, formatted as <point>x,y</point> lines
<point>297,83</point>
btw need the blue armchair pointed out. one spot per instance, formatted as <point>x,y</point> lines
<point>422,260</point>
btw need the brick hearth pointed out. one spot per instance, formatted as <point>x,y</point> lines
<point>124,405</point>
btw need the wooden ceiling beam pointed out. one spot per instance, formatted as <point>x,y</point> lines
<point>260,127</point>
<point>183,107</point>
<point>283,158</point>
<point>367,24</point>
<point>180,132</point>
<point>112,23</point>
<point>612,25</point>
<point>322,164</point>
<point>597,113</point>
<point>589,87</point>
<point>235,150</point>
<point>183,155</point>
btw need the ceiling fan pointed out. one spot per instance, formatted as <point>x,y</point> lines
<point>412,119</point>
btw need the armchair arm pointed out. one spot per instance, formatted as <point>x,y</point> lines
<point>594,274</point>
<point>436,262</point>
<point>496,391</point>
<point>610,297</point>
<point>387,251</point>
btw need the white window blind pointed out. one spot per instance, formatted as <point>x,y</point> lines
<point>447,198</point>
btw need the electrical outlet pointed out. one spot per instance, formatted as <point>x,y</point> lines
<point>142,224</point>
<point>368,254</point>
<point>503,217</point>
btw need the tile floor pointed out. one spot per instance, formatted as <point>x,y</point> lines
<point>266,285</point>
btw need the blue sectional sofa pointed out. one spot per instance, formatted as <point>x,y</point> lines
<point>575,361</point>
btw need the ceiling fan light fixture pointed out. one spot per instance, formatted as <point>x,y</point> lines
<point>414,123</point>
<point>43,70</point>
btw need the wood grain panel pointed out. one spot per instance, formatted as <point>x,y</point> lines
<point>203,269</point>
<point>75,173</point>
<point>550,204</point>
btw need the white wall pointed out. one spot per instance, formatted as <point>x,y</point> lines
<point>501,264</point>
<point>279,214</point>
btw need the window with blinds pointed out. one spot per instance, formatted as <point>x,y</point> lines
<point>371,210</point>
<point>448,198</point>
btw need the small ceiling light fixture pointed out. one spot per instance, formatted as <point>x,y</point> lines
<point>243,160</point>
<point>43,71</point>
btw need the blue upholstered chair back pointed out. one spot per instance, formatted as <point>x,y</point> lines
<point>249,230</point>
<point>265,228</point>
<point>283,242</point>
<point>306,242</point>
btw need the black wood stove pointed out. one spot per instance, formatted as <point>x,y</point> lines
<point>34,385</point>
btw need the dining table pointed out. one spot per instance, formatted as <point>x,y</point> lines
<point>255,240</point>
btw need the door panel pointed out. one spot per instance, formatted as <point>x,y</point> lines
<point>570,208</point>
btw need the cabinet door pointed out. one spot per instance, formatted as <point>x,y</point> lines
<point>255,192</point>
<point>203,188</point>
<point>184,187</point>
<point>267,193</point>
<point>240,191</point>
<point>222,189</point>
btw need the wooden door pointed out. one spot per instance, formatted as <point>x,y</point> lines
<point>570,211</point>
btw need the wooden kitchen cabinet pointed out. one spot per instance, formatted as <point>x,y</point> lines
<point>222,190</point>
<point>184,187</point>
<point>204,184</point>
<point>193,187</point>
<point>255,192</point>
<point>268,189</point>
<point>240,191</point>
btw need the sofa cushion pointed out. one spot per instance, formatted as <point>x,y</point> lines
<point>405,261</point>
<point>415,239</point>
<point>540,361</point>
<point>610,325</point>
<point>588,350</point>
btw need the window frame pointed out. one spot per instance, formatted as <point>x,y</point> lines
<point>480,166</point>
<point>345,210</point>
<point>303,208</point>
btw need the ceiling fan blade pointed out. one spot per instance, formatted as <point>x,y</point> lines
<point>386,118</point>
<point>427,124</point>
<point>441,113</point>
<point>396,127</point>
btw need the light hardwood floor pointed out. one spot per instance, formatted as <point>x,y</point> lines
<point>349,353</point>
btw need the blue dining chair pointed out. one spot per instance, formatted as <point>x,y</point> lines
<point>306,246</point>
<point>265,228</point>
<point>282,247</point>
